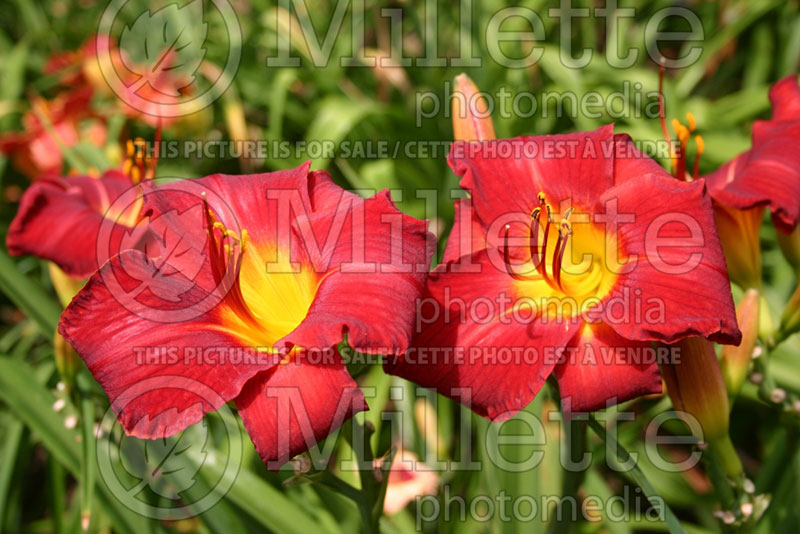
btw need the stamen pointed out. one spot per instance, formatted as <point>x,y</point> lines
<point>692,122</point>
<point>534,239</point>
<point>135,165</point>
<point>661,111</point>
<point>224,256</point>
<point>563,234</point>
<point>680,159</point>
<point>542,267</point>
<point>701,146</point>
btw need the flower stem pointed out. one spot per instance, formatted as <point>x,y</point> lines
<point>574,445</point>
<point>670,520</point>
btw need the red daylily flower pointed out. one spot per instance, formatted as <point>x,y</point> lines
<point>766,176</point>
<point>86,69</point>
<point>59,219</point>
<point>769,173</point>
<point>409,479</point>
<point>36,151</point>
<point>286,280</point>
<point>556,231</point>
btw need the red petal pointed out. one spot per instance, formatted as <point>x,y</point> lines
<point>631,164</point>
<point>467,235</point>
<point>785,99</point>
<point>59,220</point>
<point>593,375</point>
<point>688,278</point>
<point>496,362</point>
<point>289,408</point>
<point>158,398</point>
<point>767,174</point>
<point>238,201</point>
<point>374,260</point>
<point>505,176</point>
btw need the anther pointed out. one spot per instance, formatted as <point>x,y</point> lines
<point>692,122</point>
<point>701,146</point>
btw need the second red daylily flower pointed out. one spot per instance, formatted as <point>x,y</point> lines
<point>59,219</point>
<point>61,122</point>
<point>291,264</point>
<point>573,253</point>
<point>766,176</point>
<point>769,173</point>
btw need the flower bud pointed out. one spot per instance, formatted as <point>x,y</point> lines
<point>66,360</point>
<point>790,321</point>
<point>790,246</point>
<point>697,389</point>
<point>739,235</point>
<point>735,362</point>
<point>471,119</point>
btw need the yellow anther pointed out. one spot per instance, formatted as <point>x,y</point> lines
<point>540,196</point>
<point>701,145</point>
<point>129,148</point>
<point>126,167</point>
<point>136,175</point>
<point>535,213</point>
<point>683,134</point>
<point>549,214</point>
<point>227,250</point>
<point>221,227</point>
<point>692,121</point>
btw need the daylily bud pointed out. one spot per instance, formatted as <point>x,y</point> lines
<point>471,119</point>
<point>735,361</point>
<point>790,321</point>
<point>790,246</point>
<point>738,233</point>
<point>697,388</point>
<point>66,360</point>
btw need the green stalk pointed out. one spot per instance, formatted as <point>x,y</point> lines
<point>572,479</point>
<point>671,521</point>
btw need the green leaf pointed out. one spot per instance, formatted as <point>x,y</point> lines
<point>32,404</point>
<point>266,504</point>
<point>638,477</point>
<point>30,297</point>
